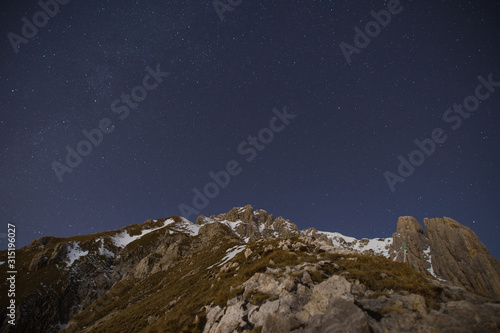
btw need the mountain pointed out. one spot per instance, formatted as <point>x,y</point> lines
<point>247,271</point>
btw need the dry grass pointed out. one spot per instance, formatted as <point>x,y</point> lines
<point>258,298</point>
<point>392,308</point>
<point>177,296</point>
<point>401,277</point>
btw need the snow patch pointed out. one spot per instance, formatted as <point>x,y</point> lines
<point>192,229</point>
<point>232,225</point>
<point>186,226</point>
<point>104,251</point>
<point>122,239</point>
<point>231,253</point>
<point>337,238</point>
<point>379,246</point>
<point>206,220</point>
<point>74,253</point>
<point>59,326</point>
<point>427,253</point>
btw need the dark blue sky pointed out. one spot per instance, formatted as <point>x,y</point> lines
<point>324,169</point>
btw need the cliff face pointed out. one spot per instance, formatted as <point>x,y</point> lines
<point>448,250</point>
<point>460,257</point>
<point>411,233</point>
<point>246,270</point>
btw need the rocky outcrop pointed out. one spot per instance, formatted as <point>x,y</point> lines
<point>252,224</point>
<point>411,233</point>
<point>447,250</point>
<point>460,257</point>
<point>284,228</point>
<point>294,306</point>
<point>338,305</point>
<point>213,230</point>
<point>410,313</point>
<point>244,214</point>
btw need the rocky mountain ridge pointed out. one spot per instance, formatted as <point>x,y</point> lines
<point>246,271</point>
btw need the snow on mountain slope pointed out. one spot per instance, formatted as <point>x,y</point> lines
<point>253,225</point>
<point>123,238</point>
<point>428,257</point>
<point>186,226</point>
<point>231,253</point>
<point>377,246</point>
<point>108,244</point>
<point>74,253</point>
<point>103,251</point>
<point>249,224</point>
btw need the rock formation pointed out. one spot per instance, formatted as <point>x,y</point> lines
<point>411,233</point>
<point>246,271</point>
<point>459,257</point>
<point>449,251</point>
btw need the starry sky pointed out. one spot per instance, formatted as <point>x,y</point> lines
<point>308,129</point>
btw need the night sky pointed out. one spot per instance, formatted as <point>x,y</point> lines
<point>311,124</point>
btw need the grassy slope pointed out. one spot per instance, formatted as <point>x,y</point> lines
<point>51,280</point>
<point>174,301</point>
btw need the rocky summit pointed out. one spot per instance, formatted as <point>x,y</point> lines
<point>247,271</point>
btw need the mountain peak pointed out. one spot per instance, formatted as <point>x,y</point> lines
<point>250,224</point>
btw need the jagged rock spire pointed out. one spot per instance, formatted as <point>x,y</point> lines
<point>250,224</point>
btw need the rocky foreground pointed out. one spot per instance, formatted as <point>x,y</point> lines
<point>246,271</point>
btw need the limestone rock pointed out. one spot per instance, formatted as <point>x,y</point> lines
<point>248,253</point>
<point>409,231</point>
<point>213,230</point>
<point>340,316</point>
<point>460,257</point>
<point>230,320</point>
<point>323,293</point>
<point>448,250</point>
<point>276,323</point>
<point>258,317</point>
<point>262,283</point>
<point>254,224</point>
